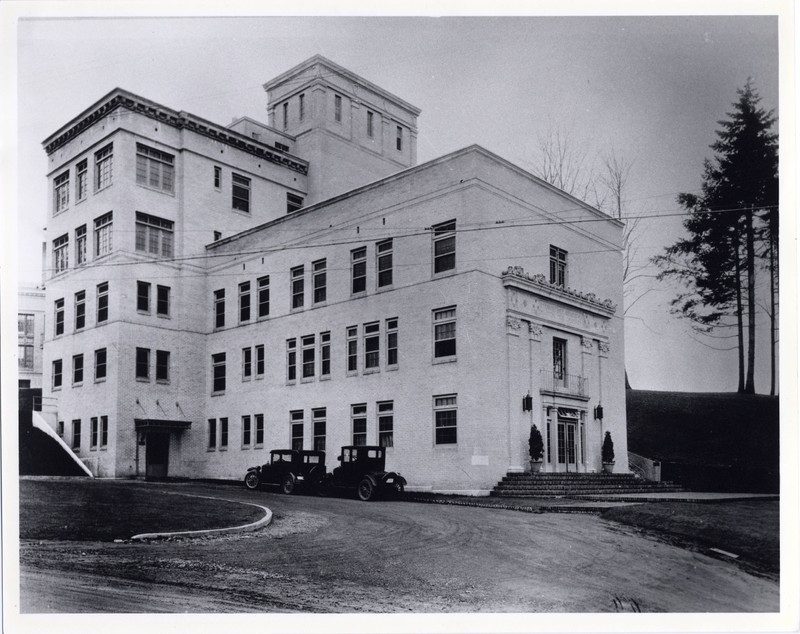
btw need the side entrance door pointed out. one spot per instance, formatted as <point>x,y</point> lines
<point>157,455</point>
<point>567,446</point>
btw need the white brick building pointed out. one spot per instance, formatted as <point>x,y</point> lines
<point>218,292</point>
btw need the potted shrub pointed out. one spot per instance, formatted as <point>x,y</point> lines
<point>607,454</point>
<point>535,449</point>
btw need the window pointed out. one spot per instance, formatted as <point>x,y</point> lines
<point>293,202</point>
<point>59,320</point>
<point>308,356</point>
<point>162,366</point>
<point>358,416</point>
<point>246,431</point>
<point>352,349</point>
<point>61,253</point>
<point>56,373</point>
<point>217,236</point>
<point>103,432</point>
<point>281,146</point>
<point>25,360</point>
<point>399,139</point>
<point>444,333</point>
<point>143,363</point>
<point>80,310</point>
<point>337,108</point>
<point>319,281</point>
<point>263,296</point>
<point>80,245</point>
<point>244,302</point>
<point>143,296</point>
<point>219,308</point>
<point>559,359</point>
<point>218,365</point>
<point>162,300</point>
<point>372,346</point>
<point>103,234</point>
<point>154,235</point>
<point>103,167</point>
<point>445,416</point>
<point>370,124</point>
<point>155,168</point>
<point>241,193</point>
<point>358,270</point>
<point>95,433</point>
<point>76,434</point>
<point>223,433</point>
<point>81,186</point>
<point>302,107</point>
<point>391,342</point>
<point>247,364</point>
<point>298,286</point>
<point>212,433</point>
<point>558,266</point>
<point>260,361</point>
<point>386,424</point>
<point>318,420</point>
<point>77,369</point>
<point>291,360</point>
<point>60,428</point>
<point>325,354</point>
<point>25,325</point>
<point>296,423</point>
<point>100,364</point>
<point>285,115</point>
<point>61,192</point>
<point>217,177</point>
<point>444,247</point>
<point>383,251</point>
<point>259,430</point>
<point>102,302</point>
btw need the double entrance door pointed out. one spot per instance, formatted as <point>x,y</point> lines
<point>567,438</point>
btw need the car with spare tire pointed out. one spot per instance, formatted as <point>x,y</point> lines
<point>362,468</point>
<point>289,469</point>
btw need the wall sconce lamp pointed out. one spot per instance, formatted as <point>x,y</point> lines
<point>527,403</point>
<point>142,437</point>
<point>598,412</point>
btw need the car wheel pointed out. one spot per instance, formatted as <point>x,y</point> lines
<point>322,487</point>
<point>287,486</point>
<point>251,480</point>
<point>365,490</point>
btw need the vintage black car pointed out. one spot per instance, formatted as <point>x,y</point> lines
<point>363,469</point>
<point>288,469</point>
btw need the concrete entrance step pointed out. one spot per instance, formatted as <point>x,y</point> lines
<point>578,484</point>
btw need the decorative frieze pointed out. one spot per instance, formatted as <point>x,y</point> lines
<point>538,279</point>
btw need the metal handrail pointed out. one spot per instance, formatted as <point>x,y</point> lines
<point>556,381</point>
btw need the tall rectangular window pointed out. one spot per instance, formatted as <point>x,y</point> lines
<point>259,430</point>
<point>318,417</point>
<point>212,433</point>
<point>81,185</point>
<point>446,419</point>
<point>61,253</point>
<point>352,349</point>
<point>308,356</point>
<point>444,333</point>
<point>25,356</point>
<point>103,167</point>
<point>386,424</point>
<point>155,168</point>
<point>291,360</point>
<point>372,345</point>
<point>162,366</point>
<point>247,364</point>
<point>59,317</point>
<point>302,107</point>
<point>383,252</point>
<point>94,436</point>
<point>223,433</point>
<point>337,108</point>
<point>103,432</point>
<point>558,266</point>
<point>391,342</point>
<point>143,363</point>
<point>162,300</point>
<point>444,247</point>
<point>60,428</point>
<point>370,124</point>
<point>217,177</point>
<point>285,115</point>
<point>296,422</point>
<point>219,308</point>
<point>298,286</point>
<point>319,281</point>
<point>103,234</point>
<point>143,296</point>
<point>218,371</point>
<point>240,193</point>
<point>154,235</point>
<point>325,354</point>
<point>263,296</point>
<point>399,139</point>
<point>61,192</point>
<point>293,202</point>
<point>358,417</point>
<point>100,364</point>
<point>102,302</point>
<point>77,369</point>
<point>559,359</point>
<point>57,369</point>
<point>247,431</point>
<point>80,245</point>
<point>80,309</point>
<point>260,361</point>
<point>358,270</point>
<point>76,434</point>
<point>244,302</point>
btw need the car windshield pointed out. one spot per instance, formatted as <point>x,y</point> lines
<point>281,457</point>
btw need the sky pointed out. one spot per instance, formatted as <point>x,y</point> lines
<point>650,89</point>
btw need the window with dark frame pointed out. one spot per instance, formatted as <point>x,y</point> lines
<point>358,270</point>
<point>399,139</point>
<point>308,353</point>
<point>386,424</point>
<point>77,369</point>
<point>103,167</point>
<point>291,360</point>
<point>260,361</point>
<point>318,420</point>
<point>80,246</point>
<point>293,202</point>
<point>80,310</point>
<point>285,115</point>
<point>102,302</point>
<point>559,359</point>
<point>94,434</point>
<point>60,192</point>
<point>391,342</point>
<point>81,184</point>
<point>217,177</point>
<point>162,366</point>
<point>223,433</point>
<point>263,296</point>
<point>259,430</point>
<point>302,106</point>
<point>444,247</point>
<point>247,364</point>
<point>446,419</point>
<point>154,235</point>
<point>103,432</point>
<point>558,266</point>
<point>352,349</point>
<point>162,300</point>
<point>370,124</point>
<point>59,317</point>
<point>76,434</point>
<point>218,371</point>
<point>372,346</point>
<point>103,234</point>
<point>325,354</point>
<point>244,302</point>
<point>358,416</point>
<point>337,108</point>
<point>143,296</point>
<point>296,423</point>
<point>246,431</point>
<point>99,364</point>
<point>444,332</point>
<point>219,308</point>
<point>60,428</point>
<point>383,253</point>
<point>212,433</point>
<point>298,287</point>
<point>57,369</point>
<point>319,280</point>
<point>240,188</point>
<point>155,169</point>
<point>61,254</point>
<point>143,363</point>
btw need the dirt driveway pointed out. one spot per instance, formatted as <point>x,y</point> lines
<point>342,555</point>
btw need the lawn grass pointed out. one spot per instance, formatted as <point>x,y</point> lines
<point>750,529</point>
<point>95,510</point>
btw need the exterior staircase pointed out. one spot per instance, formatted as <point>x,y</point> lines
<point>577,485</point>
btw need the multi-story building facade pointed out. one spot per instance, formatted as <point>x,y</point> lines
<point>218,292</point>
<point>30,327</point>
